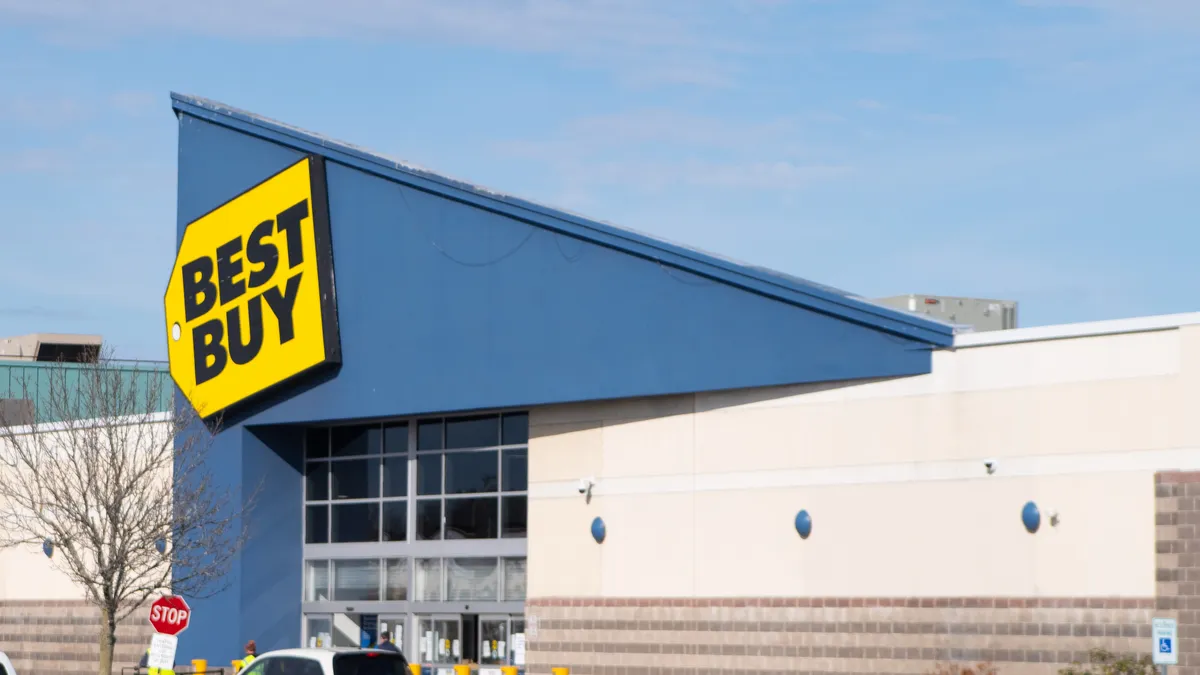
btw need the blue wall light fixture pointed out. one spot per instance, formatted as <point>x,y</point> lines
<point>48,547</point>
<point>803,524</point>
<point>1031,517</point>
<point>599,531</point>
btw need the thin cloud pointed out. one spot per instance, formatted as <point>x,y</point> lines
<point>41,112</point>
<point>35,161</point>
<point>666,41</point>
<point>656,149</point>
<point>50,112</point>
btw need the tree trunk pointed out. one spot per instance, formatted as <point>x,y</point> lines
<point>108,640</point>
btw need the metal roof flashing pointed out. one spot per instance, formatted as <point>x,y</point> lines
<point>771,283</point>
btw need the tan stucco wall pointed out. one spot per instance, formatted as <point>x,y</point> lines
<point>699,492</point>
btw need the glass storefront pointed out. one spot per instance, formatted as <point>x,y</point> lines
<point>416,528</point>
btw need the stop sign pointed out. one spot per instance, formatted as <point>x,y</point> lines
<point>170,615</point>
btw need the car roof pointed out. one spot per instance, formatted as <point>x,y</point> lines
<point>322,654</point>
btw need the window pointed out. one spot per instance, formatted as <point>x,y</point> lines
<point>316,581</point>
<point>515,514</point>
<point>354,478</point>
<point>472,518</point>
<point>472,472</point>
<point>356,580</point>
<point>395,521</point>
<point>316,524</point>
<point>470,483</point>
<point>375,663</point>
<point>428,579</point>
<point>472,579</point>
<point>356,484</point>
<point>514,578</point>
<point>478,579</point>
<point>473,432</point>
<point>354,523</point>
<point>258,667</point>
<point>396,579</point>
<point>290,665</point>
<point>471,480</point>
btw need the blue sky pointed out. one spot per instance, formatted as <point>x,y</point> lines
<point>1046,151</point>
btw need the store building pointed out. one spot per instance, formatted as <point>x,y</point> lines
<point>46,623</point>
<point>511,434</point>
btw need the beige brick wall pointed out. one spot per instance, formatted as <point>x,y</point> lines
<point>48,637</point>
<point>829,635</point>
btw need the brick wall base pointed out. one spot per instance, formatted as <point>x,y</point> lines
<point>52,637</point>
<point>1177,542</point>
<point>832,635</point>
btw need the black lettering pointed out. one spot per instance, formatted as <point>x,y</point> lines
<point>227,269</point>
<point>283,304</point>
<point>289,223</point>
<point>206,342</point>
<point>260,252</point>
<point>197,282</point>
<point>239,352</point>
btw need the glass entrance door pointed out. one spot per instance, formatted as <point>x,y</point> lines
<point>395,626</point>
<point>439,639</point>
<point>493,640</point>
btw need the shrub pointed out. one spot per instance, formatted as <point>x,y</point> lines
<point>1104,662</point>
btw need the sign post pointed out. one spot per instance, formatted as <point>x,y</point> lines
<point>1165,650</point>
<point>170,616</point>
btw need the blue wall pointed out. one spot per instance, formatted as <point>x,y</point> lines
<point>447,306</point>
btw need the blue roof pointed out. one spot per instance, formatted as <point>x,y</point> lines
<point>770,283</point>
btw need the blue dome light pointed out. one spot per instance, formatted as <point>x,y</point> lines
<point>1031,517</point>
<point>803,524</point>
<point>599,531</point>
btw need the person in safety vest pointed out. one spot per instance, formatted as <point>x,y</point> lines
<point>251,653</point>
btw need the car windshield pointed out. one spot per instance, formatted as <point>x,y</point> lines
<point>370,663</point>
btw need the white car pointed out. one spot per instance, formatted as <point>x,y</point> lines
<point>6,666</point>
<point>328,662</point>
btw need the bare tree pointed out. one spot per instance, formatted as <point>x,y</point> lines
<point>113,475</point>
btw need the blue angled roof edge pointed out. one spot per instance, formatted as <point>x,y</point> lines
<point>771,283</point>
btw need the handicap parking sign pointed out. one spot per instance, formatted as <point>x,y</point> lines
<point>1165,639</point>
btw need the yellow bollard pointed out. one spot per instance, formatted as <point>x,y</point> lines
<point>561,671</point>
<point>238,664</point>
<point>415,668</point>
<point>508,670</point>
<point>200,666</point>
<point>462,670</point>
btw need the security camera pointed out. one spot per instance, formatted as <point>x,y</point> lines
<point>990,465</point>
<point>585,485</point>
